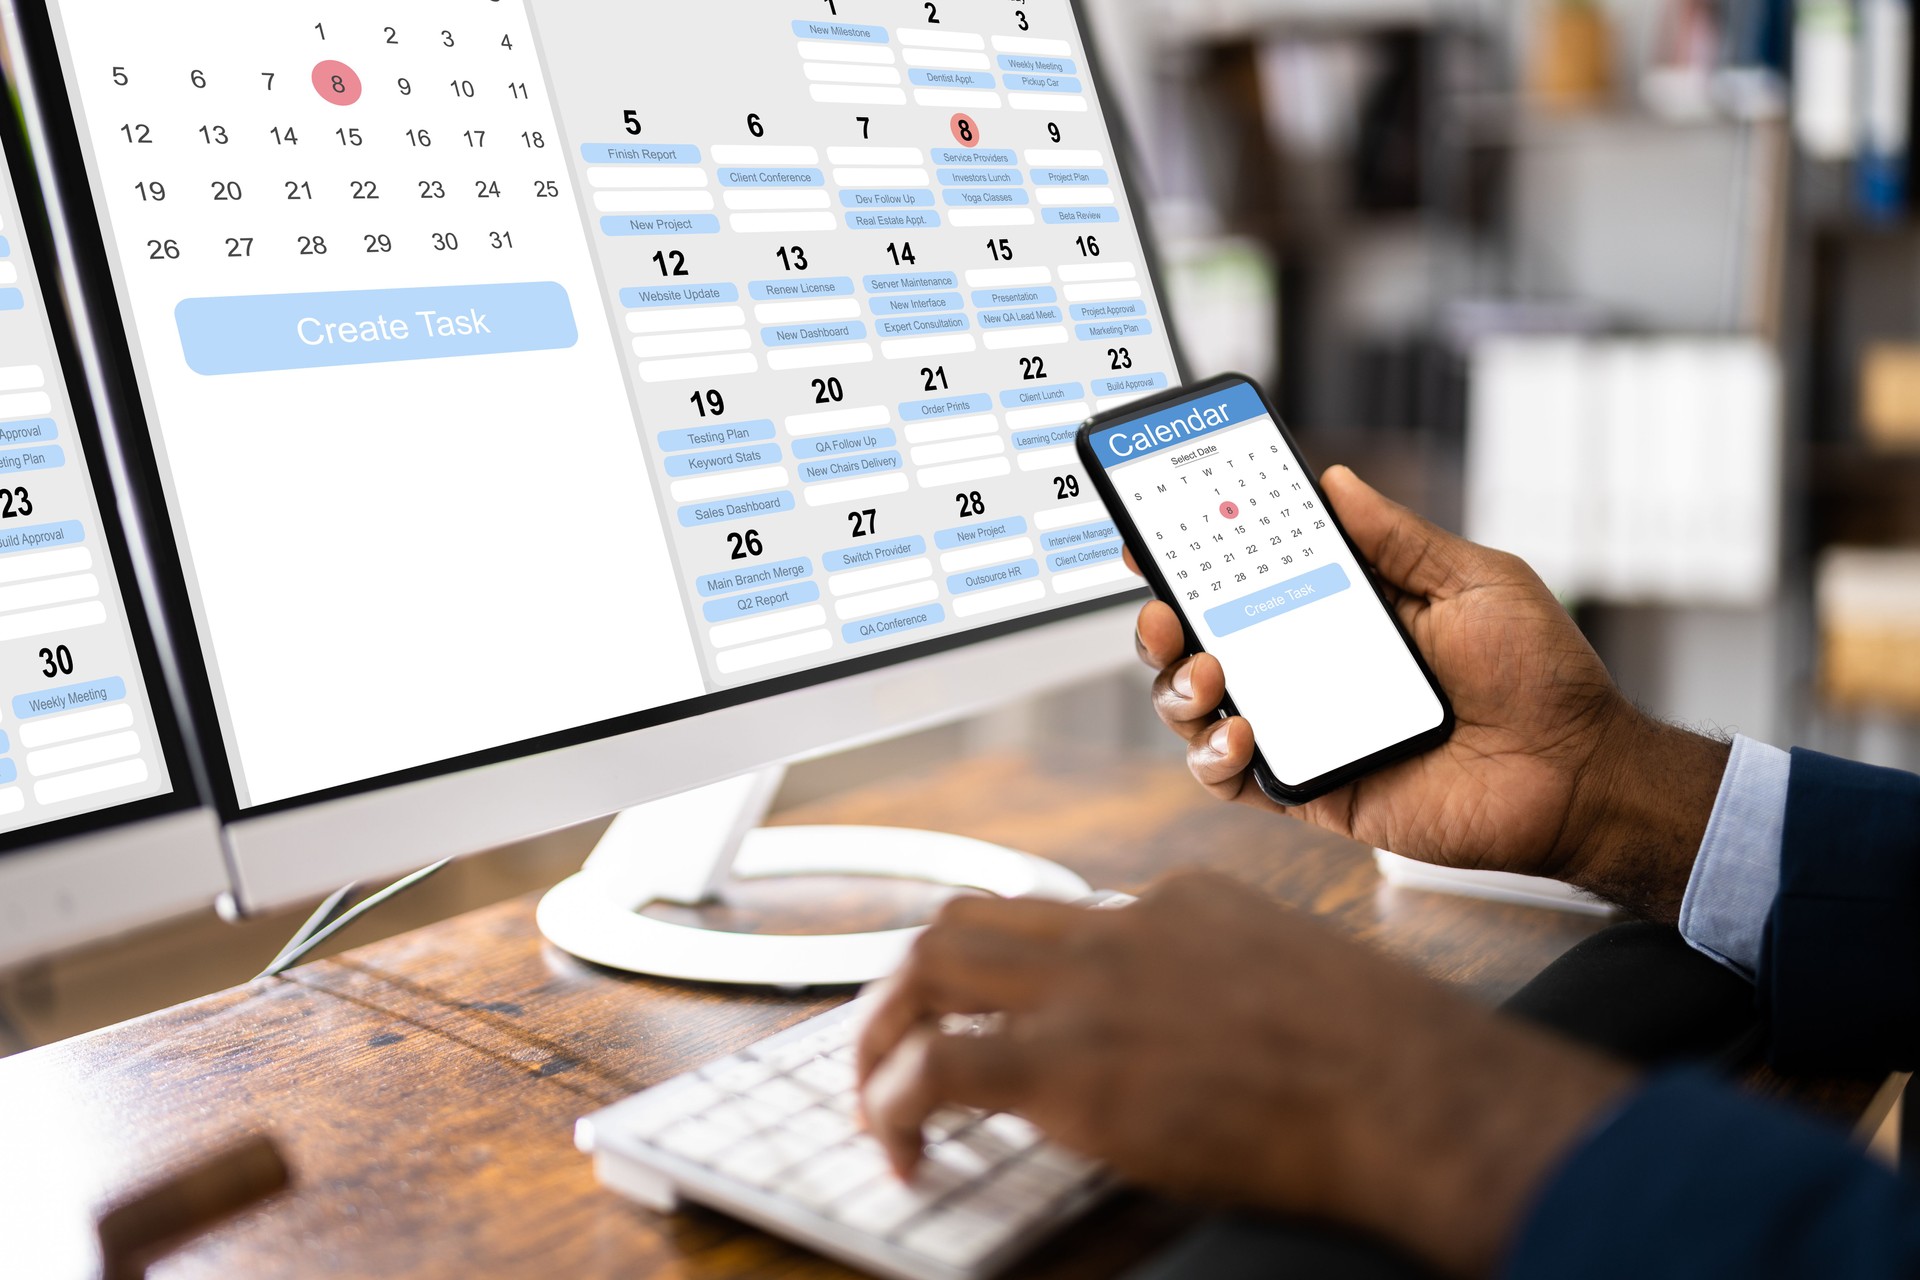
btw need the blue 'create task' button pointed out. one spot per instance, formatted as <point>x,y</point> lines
<point>260,333</point>
<point>1281,597</point>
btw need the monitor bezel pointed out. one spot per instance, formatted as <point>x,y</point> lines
<point>52,111</point>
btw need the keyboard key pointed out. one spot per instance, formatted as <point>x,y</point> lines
<point>738,1075</point>
<point>823,1125</point>
<point>964,1161</point>
<point>1012,1130</point>
<point>784,1096</point>
<point>947,1121</point>
<point>646,1114</point>
<point>762,1160</point>
<point>831,1175</point>
<point>1065,1162</point>
<point>696,1139</point>
<point>826,1075</point>
<point>955,1238</point>
<point>742,1116</point>
<point>883,1207</point>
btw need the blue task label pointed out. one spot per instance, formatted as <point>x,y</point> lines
<point>1107,330</point>
<point>980,176</point>
<point>927,615</point>
<point>39,537</point>
<point>724,509</point>
<point>1019,82</point>
<point>912,282</point>
<point>660,224</point>
<point>890,220</point>
<point>1045,437</point>
<point>8,771</point>
<point>1019,317</point>
<point>912,303</point>
<point>966,199</point>
<point>946,407</point>
<point>1082,557</point>
<point>767,601</point>
<point>770,176</point>
<point>6,249</point>
<point>640,153</point>
<point>847,442</point>
<point>867,556</point>
<point>1051,393</point>
<point>1035,295</point>
<point>943,78</point>
<point>1129,384</point>
<point>69,697</point>
<point>1070,178</point>
<point>972,535</point>
<point>746,455</point>
<point>909,326</point>
<point>1038,64</point>
<point>1074,217</point>
<point>12,300</point>
<point>994,575</point>
<point>728,581</point>
<point>716,436</point>
<point>35,429</point>
<point>678,295</point>
<point>797,287</point>
<point>806,335</point>
<point>1079,535</point>
<point>32,459</point>
<point>865,464</point>
<point>1281,597</point>
<point>266,332</point>
<point>954,155</point>
<point>858,33</point>
<point>887,198</point>
<point>1132,308</point>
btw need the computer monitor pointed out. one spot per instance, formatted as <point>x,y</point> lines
<point>558,404</point>
<point>101,828</point>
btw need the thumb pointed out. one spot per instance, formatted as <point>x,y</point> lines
<point>1407,550</point>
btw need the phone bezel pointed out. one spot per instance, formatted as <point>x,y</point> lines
<point>1270,784</point>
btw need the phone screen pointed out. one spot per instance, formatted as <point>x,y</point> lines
<point>1247,550</point>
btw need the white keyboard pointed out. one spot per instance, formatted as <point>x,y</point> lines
<point>768,1135</point>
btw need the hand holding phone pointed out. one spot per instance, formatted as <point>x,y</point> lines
<point>1228,525</point>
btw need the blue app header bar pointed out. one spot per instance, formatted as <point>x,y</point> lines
<point>1178,425</point>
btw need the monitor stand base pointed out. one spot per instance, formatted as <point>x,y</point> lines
<point>682,848</point>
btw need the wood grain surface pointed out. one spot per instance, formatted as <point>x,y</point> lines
<point>424,1089</point>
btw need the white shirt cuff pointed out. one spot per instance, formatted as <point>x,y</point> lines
<point>1737,873</point>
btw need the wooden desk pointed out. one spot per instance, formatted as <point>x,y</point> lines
<point>424,1088</point>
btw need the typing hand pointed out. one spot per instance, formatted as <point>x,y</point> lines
<point>1550,770</point>
<point>1208,1042</point>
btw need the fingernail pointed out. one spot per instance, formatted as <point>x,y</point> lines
<point>1220,737</point>
<point>1183,679</point>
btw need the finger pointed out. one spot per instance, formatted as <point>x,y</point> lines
<point>1187,696</point>
<point>930,1070</point>
<point>1219,757</point>
<point>1157,636</point>
<point>1410,552</point>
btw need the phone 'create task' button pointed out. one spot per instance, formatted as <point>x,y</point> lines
<point>262,333</point>
<point>1281,597</point>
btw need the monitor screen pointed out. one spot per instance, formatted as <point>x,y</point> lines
<point>86,737</point>
<point>537,368</point>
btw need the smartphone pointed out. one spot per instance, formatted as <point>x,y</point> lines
<point>1231,529</point>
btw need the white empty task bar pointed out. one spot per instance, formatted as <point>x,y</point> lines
<point>91,782</point>
<point>1007,549</point>
<point>825,495</point>
<point>955,344</point>
<point>886,601</point>
<point>78,755</point>
<point>652,201</point>
<point>1082,272</point>
<point>1031,44</point>
<point>26,404</point>
<point>22,377</point>
<point>858,95</point>
<point>1005,277</point>
<point>1007,338</point>
<point>874,177</point>
<point>999,598</point>
<point>835,51</point>
<point>947,60</point>
<point>985,469</point>
<point>1105,403</point>
<point>850,73</point>
<point>861,419</point>
<point>765,654</point>
<point>12,800</point>
<point>619,177</point>
<point>978,424</point>
<point>45,564</point>
<point>729,484</point>
<point>1045,459</point>
<point>784,622</point>
<point>783,222</point>
<point>991,217</point>
<point>1046,102</point>
<point>776,199</point>
<point>1106,291</point>
<point>677,319</point>
<point>1060,517</point>
<point>876,155</point>
<point>913,37</point>
<point>966,99</point>
<point>884,575</point>
<point>692,344</point>
<point>1063,158</point>
<point>698,367</point>
<point>819,357</point>
<point>8,273</point>
<point>45,591</point>
<point>78,724</point>
<point>1098,575</point>
<point>926,455</point>
<point>763,153</point>
<point>40,622</point>
<point>1074,195</point>
<point>1048,415</point>
<point>796,312</point>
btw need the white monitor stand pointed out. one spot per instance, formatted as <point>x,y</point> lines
<point>680,850</point>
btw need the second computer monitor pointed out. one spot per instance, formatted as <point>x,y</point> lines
<point>557,404</point>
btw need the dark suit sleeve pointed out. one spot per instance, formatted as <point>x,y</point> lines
<point>1692,1179</point>
<point>1840,966</point>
